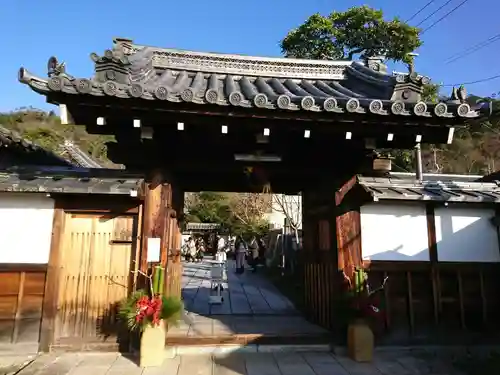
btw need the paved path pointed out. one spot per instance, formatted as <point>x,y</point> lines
<point>402,363</point>
<point>15,356</point>
<point>243,294</point>
<point>252,305</point>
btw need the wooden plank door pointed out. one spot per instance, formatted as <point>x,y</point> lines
<point>96,261</point>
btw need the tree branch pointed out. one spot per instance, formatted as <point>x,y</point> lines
<point>353,52</point>
<point>286,207</point>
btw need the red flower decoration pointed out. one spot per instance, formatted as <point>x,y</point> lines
<point>148,309</point>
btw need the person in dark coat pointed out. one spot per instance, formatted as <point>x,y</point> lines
<point>262,251</point>
<point>253,248</point>
<point>240,250</point>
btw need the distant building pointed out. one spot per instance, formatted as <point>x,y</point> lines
<point>283,205</point>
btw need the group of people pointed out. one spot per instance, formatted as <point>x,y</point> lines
<point>251,252</point>
<point>193,250</point>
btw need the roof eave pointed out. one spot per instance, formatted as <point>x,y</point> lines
<point>331,105</point>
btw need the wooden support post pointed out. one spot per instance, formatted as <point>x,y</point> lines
<point>410,303</point>
<point>52,283</point>
<point>174,266</point>
<point>433,256</point>
<point>157,196</point>
<point>348,229</point>
<point>19,307</point>
<point>461,299</point>
<point>484,304</point>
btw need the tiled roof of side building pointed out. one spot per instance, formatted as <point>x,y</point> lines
<point>444,190</point>
<point>136,71</point>
<point>34,154</point>
<point>70,181</point>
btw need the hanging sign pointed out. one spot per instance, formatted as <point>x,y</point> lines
<point>154,249</point>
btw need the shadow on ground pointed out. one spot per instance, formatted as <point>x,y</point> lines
<point>397,361</point>
<point>252,306</point>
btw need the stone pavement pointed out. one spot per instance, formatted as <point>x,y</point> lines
<point>244,294</point>
<point>252,305</point>
<point>284,363</point>
<point>14,357</point>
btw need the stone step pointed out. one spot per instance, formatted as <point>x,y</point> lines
<point>244,340</point>
<point>249,348</point>
<point>249,339</point>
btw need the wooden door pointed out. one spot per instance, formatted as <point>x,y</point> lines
<point>96,273</point>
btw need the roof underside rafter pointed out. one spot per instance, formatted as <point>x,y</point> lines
<point>131,71</point>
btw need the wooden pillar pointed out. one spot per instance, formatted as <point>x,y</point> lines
<point>433,257</point>
<point>157,198</point>
<point>178,206</point>
<point>348,229</point>
<point>154,216</point>
<point>308,223</point>
<point>174,265</point>
<point>52,283</point>
<point>163,206</point>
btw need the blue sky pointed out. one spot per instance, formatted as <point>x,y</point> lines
<point>33,30</point>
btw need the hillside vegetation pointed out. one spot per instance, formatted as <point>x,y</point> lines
<point>475,148</point>
<point>45,129</point>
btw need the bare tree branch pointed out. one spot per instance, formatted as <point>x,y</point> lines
<point>249,208</point>
<point>291,207</point>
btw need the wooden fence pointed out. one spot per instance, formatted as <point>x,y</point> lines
<point>21,297</point>
<point>448,303</point>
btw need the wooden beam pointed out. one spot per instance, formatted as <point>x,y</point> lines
<point>52,283</point>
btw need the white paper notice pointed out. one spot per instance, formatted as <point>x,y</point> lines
<point>153,249</point>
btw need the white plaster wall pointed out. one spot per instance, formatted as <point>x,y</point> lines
<point>25,227</point>
<point>466,235</point>
<point>394,232</point>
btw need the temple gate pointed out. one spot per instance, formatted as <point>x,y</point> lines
<point>196,121</point>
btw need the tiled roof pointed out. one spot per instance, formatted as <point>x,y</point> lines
<point>202,226</point>
<point>435,177</point>
<point>140,72</point>
<point>445,191</point>
<point>69,180</point>
<point>78,156</point>
<point>12,140</point>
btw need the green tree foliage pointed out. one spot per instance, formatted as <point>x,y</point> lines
<point>209,207</point>
<point>363,31</point>
<point>359,30</point>
<point>237,213</point>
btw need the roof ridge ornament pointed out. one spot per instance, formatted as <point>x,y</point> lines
<point>458,95</point>
<point>223,63</point>
<point>56,69</point>
<point>376,63</point>
<point>113,65</point>
<point>409,86</point>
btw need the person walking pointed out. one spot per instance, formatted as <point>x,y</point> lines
<point>240,250</point>
<point>254,253</point>
<point>190,250</point>
<point>221,250</point>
